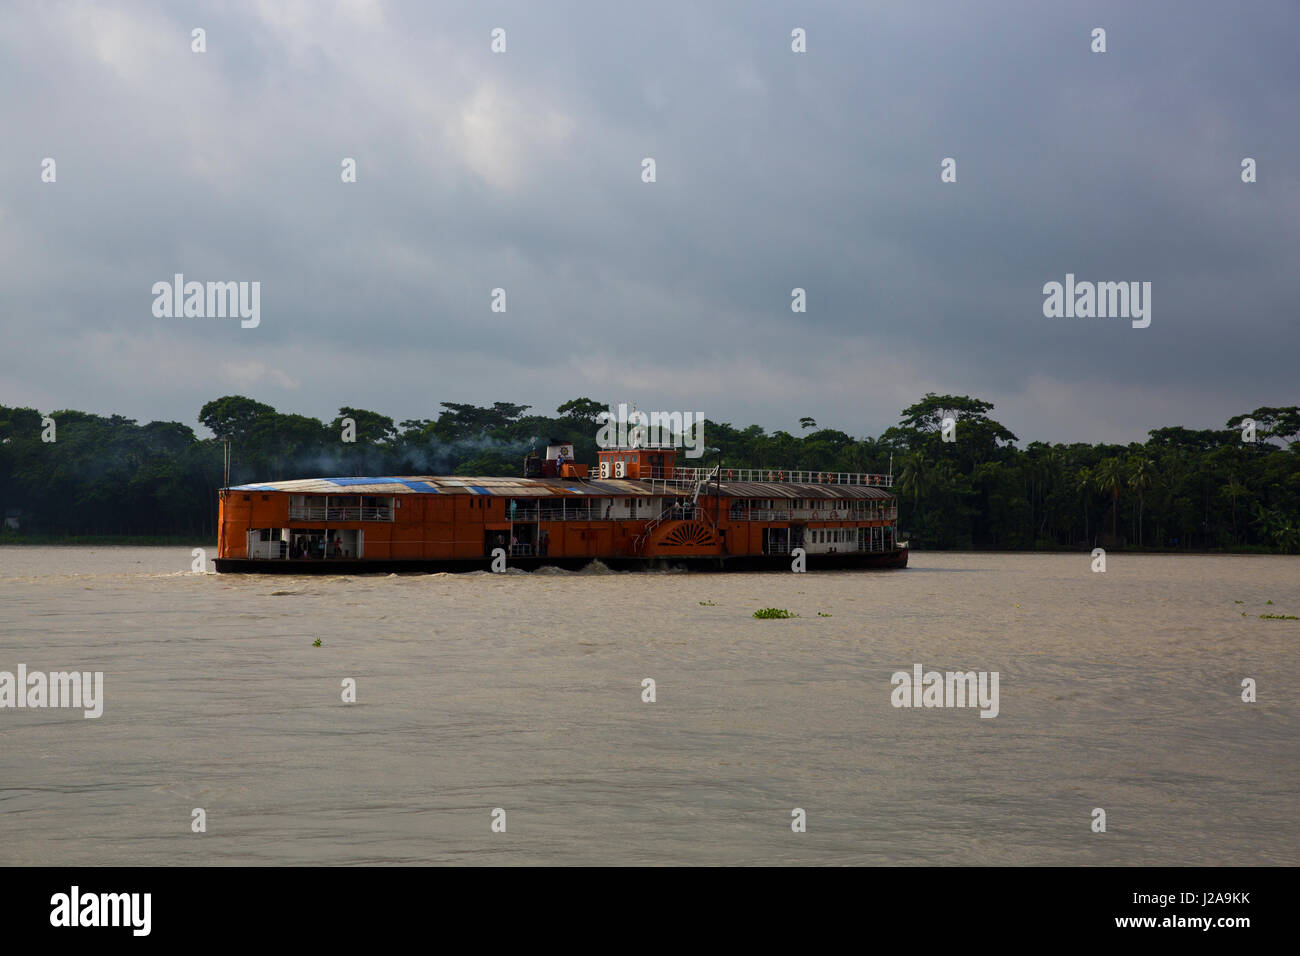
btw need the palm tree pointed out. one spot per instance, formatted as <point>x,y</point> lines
<point>1109,476</point>
<point>1141,474</point>
<point>1053,471</point>
<point>1083,484</point>
<point>1233,490</point>
<point>807,422</point>
<point>1273,523</point>
<point>915,476</point>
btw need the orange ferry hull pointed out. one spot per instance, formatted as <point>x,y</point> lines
<point>745,562</point>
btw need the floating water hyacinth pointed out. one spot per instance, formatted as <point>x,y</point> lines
<point>770,613</point>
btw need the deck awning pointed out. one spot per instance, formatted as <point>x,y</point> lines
<point>559,487</point>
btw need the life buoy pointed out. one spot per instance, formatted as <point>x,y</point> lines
<point>835,514</point>
<point>780,476</point>
<point>731,475</point>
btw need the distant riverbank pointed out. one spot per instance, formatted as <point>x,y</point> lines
<point>137,540</point>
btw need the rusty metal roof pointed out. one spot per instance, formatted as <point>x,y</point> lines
<point>788,489</point>
<point>454,485</point>
<point>556,487</point>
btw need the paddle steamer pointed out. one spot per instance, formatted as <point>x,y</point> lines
<point>638,509</point>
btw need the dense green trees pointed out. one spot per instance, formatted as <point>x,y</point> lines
<point>106,475</point>
<point>1181,489</point>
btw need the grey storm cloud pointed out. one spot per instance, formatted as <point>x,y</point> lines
<point>775,170</point>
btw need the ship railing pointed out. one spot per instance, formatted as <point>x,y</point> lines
<point>883,544</point>
<point>521,550</point>
<point>806,514</point>
<point>333,513</point>
<point>584,514</point>
<point>598,513</point>
<point>690,475</point>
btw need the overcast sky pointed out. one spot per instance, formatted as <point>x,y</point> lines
<point>522,170</point>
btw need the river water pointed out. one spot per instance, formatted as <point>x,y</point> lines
<point>1119,691</point>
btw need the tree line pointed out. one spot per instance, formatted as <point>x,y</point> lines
<point>962,479</point>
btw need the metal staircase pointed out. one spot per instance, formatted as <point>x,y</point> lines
<point>701,479</point>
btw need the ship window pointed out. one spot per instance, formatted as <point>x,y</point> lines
<point>634,459</point>
<point>248,497</point>
<point>266,497</point>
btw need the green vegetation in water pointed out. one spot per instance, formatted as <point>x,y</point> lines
<point>1238,602</point>
<point>709,604</point>
<point>822,614</point>
<point>1279,617</point>
<point>316,643</point>
<point>773,613</point>
<point>1268,602</point>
